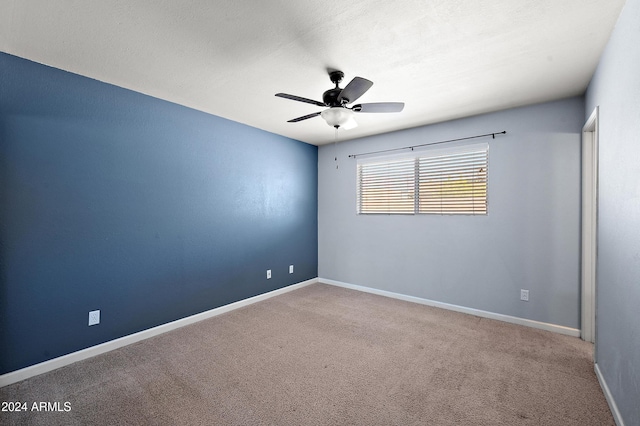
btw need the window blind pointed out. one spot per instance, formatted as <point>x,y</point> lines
<point>443,181</point>
<point>387,187</point>
<point>453,183</point>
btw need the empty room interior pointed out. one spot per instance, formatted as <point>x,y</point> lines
<point>320,212</point>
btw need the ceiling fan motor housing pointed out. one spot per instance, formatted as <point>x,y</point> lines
<point>330,97</point>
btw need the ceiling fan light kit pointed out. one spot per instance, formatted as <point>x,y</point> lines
<point>339,114</point>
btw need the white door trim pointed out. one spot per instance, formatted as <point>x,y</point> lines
<point>589,225</point>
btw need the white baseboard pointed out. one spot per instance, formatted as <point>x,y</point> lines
<point>477,312</point>
<point>44,367</point>
<point>607,394</point>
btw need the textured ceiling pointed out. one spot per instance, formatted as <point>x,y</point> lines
<point>444,58</point>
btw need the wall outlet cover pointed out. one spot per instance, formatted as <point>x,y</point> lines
<point>268,274</point>
<point>524,295</point>
<point>94,317</point>
<point>291,269</point>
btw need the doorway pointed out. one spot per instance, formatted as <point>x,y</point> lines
<point>589,226</point>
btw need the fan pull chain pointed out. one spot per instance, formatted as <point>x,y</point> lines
<point>335,147</point>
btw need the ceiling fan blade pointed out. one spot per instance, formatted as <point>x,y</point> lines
<point>300,99</point>
<point>356,88</point>
<point>379,107</point>
<point>304,117</point>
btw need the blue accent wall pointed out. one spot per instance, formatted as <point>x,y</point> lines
<point>144,209</point>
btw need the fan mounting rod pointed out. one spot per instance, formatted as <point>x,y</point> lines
<point>331,96</point>
<point>336,77</point>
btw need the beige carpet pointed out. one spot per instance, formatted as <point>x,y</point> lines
<point>323,355</point>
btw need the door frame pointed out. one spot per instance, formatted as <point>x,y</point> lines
<point>589,228</point>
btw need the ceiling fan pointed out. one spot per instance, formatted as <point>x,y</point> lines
<point>339,114</point>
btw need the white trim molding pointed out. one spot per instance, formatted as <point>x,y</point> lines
<point>609,397</point>
<point>589,231</point>
<point>574,332</point>
<point>53,364</point>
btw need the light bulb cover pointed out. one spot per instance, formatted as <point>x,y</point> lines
<point>350,124</point>
<point>338,116</point>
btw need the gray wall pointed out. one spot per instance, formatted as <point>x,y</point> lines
<point>616,89</point>
<point>530,239</point>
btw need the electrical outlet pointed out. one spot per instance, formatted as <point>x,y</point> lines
<point>524,295</point>
<point>268,274</point>
<point>291,269</point>
<point>94,317</point>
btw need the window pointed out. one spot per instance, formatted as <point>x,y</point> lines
<point>438,181</point>
<point>387,186</point>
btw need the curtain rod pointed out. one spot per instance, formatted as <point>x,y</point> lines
<point>493,135</point>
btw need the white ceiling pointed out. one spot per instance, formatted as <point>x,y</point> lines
<point>444,58</point>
